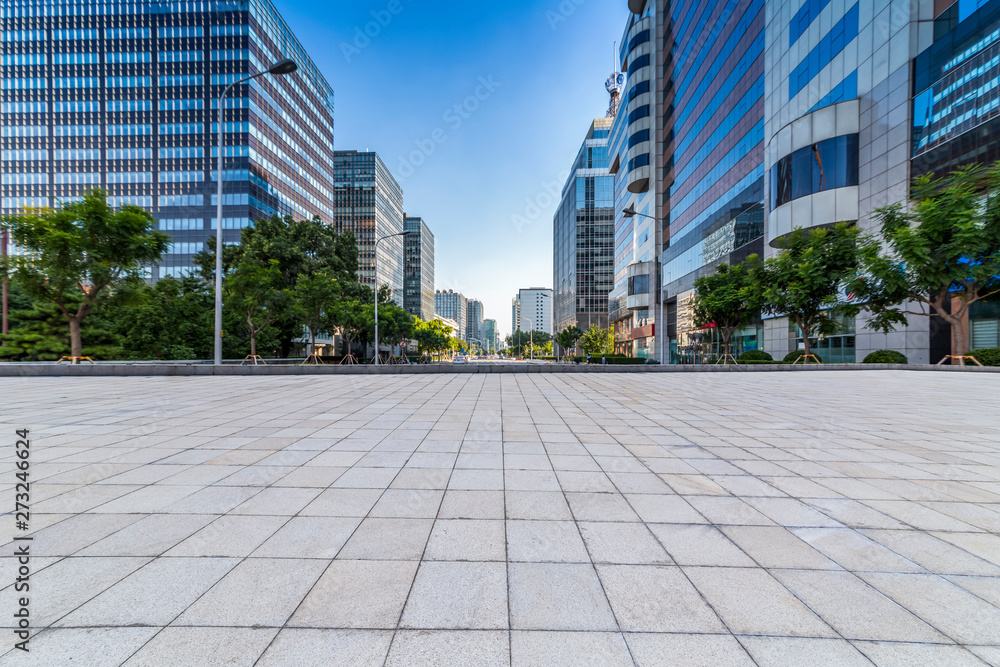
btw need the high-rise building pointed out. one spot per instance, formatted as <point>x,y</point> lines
<point>515,314</point>
<point>583,236</point>
<point>418,269</point>
<point>712,185</point>
<point>453,305</point>
<point>369,202</point>
<point>534,309</point>
<point>635,159</point>
<point>490,335</point>
<point>125,97</point>
<point>474,321</point>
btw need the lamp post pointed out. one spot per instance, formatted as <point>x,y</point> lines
<point>6,324</point>
<point>281,67</point>
<point>377,241</point>
<point>660,324</point>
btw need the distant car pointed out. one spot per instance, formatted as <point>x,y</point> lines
<point>460,360</point>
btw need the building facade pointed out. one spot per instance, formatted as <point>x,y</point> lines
<point>454,306</point>
<point>534,309</point>
<point>369,202</point>
<point>635,160</point>
<point>418,269</point>
<point>490,335</point>
<point>712,182</point>
<point>583,236</point>
<point>125,97</point>
<point>474,321</point>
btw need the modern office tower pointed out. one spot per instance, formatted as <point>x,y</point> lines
<point>124,97</point>
<point>713,184</point>
<point>583,236</point>
<point>418,269</point>
<point>635,158</point>
<point>453,306</point>
<point>535,309</point>
<point>839,131</point>
<point>515,314</point>
<point>951,129</point>
<point>369,202</point>
<point>474,321</point>
<point>490,335</point>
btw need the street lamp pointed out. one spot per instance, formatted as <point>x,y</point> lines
<point>660,324</point>
<point>281,67</point>
<point>377,241</point>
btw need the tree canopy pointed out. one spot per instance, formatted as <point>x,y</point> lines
<point>596,340</point>
<point>730,298</point>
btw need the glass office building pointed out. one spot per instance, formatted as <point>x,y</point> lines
<point>713,181</point>
<point>474,321</point>
<point>418,269</point>
<point>369,202</point>
<point>583,236</point>
<point>454,306</point>
<point>123,96</point>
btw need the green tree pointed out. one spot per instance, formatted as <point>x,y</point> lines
<point>253,291</point>
<point>172,319</point>
<point>315,296</point>
<point>432,336</point>
<point>805,279</point>
<point>38,331</point>
<point>730,298</point>
<point>300,248</point>
<point>84,247</point>
<point>596,340</point>
<point>568,337</point>
<point>943,253</point>
<point>348,317</point>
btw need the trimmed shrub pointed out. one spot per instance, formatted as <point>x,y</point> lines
<point>886,357</point>
<point>988,356</point>
<point>792,356</point>
<point>754,355</point>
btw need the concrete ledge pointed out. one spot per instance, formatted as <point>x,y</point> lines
<point>186,370</point>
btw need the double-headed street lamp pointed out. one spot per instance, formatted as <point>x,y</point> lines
<point>387,236</point>
<point>660,324</point>
<point>283,66</point>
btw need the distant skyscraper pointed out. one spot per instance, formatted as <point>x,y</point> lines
<point>123,96</point>
<point>418,269</point>
<point>535,309</point>
<point>584,235</point>
<point>369,202</point>
<point>474,322</point>
<point>490,335</point>
<point>453,306</point>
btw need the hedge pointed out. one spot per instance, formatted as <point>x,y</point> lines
<point>885,357</point>
<point>754,355</point>
<point>792,356</point>
<point>988,356</point>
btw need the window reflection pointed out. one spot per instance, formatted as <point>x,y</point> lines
<point>823,166</point>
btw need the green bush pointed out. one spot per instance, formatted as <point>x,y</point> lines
<point>792,356</point>
<point>886,357</point>
<point>754,355</point>
<point>988,356</point>
<point>622,360</point>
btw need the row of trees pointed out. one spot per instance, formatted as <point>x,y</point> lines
<point>84,266</point>
<point>937,257</point>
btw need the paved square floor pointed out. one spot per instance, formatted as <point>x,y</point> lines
<point>828,518</point>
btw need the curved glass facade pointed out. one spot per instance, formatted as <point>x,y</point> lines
<point>826,165</point>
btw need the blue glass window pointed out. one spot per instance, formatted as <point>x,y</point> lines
<point>845,90</point>
<point>637,89</point>
<point>638,63</point>
<point>826,165</point>
<point>638,161</point>
<point>832,43</point>
<point>803,18</point>
<point>638,138</point>
<point>637,113</point>
<point>640,38</point>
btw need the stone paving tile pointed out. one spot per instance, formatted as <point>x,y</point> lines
<point>498,519</point>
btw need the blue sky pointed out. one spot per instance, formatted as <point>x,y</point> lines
<point>528,76</point>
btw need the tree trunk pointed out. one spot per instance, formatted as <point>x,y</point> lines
<point>727,335</point>
<point>75,340</point>
<point>805,339</point>
<point>253,342</point>
<point>960,340</point>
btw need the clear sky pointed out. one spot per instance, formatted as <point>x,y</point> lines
<point>528,78</point>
